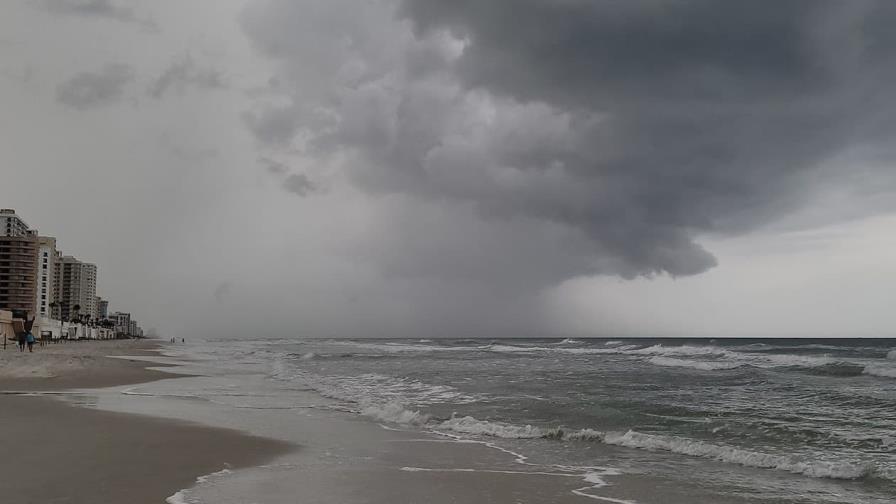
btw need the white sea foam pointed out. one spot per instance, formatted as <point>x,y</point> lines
<point>181,496</point>
<point>685,446</point>
<point>394,413</point>
<point>515,349</point>
<point>694,364</point>
<point>687,350</point>
<point>788,360</point>
<point>371,388</point>
<point>584,435</point>
<point>882,370</point>
<point>470,425</point>
<point>891,355</point>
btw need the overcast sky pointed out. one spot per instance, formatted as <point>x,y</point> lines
<point>428,168</point>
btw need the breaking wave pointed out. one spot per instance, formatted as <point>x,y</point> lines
<point>881,370</point>
<point>694,364</point>
<point>470,425</point>
<point>788,463</point>
<point>396,413</point>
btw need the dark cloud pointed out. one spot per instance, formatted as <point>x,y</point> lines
<point>273,125</point>
<point>185,73</point>
<point>92,89</point>
<point>273,166</point>
<point>299,184</point>
<point>100,8</point>
<point>637,126</point>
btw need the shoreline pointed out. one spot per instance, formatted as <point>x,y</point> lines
<point>55,451</point>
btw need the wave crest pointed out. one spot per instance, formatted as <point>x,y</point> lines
<point>880,370</point>
<point>813,468</point>
<point>693,364</point>
<point>470,425</point>
<point>394,413</point>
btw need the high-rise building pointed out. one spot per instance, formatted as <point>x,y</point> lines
<point>18,260</point>
<point>18,274</point>
<point>75,286</point>
<point>102,308</point>
<point>45,290</point>
<point>12,225</point>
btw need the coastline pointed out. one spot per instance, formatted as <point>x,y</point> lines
<point>56,451</point>
<point>143,439</point>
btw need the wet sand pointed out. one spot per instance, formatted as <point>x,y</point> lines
<point>53,452</point>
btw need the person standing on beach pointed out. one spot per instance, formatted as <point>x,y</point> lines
<point>29,338</point>
<point>20,340</point>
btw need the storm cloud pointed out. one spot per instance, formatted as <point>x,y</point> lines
<point>91,89</point>
<point>100,8</point>
<point>428,168</point>
<point>635,127</point>
<point>184,73</point>
<point>299,184</point>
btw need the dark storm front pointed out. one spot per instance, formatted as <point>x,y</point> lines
<point>790,419</point>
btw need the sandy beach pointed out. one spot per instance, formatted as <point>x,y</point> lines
<point>54,452</point>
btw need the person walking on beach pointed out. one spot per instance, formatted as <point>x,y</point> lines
<point>20,340</point>
<point>29,338</point>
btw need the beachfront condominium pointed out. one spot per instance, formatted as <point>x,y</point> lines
<point>11,224</point>
<point>45,290</point>
<point>18,260</point>
<point>75,286</point>
<point>122,322</point>
<point>18,275</point>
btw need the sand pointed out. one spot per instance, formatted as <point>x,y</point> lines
<point>53,452</point>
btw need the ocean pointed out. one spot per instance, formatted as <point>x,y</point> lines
<point>760,420</point>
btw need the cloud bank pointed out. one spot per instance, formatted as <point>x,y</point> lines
<point>624,130</point>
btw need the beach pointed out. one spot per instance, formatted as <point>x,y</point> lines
<point>338,421</point>
<point>87,422</point>
<point>57,452</point>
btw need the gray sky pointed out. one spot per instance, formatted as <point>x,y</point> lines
<point>429,168</point>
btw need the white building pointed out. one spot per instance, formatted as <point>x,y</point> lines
<point>12,225</point>
<point>75,285</point>
<point>46,269</point>
<point>122,322</point>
